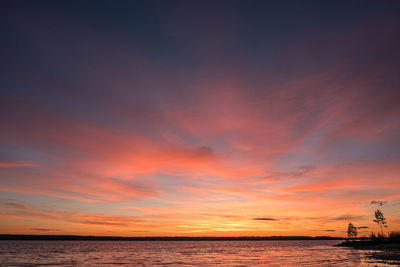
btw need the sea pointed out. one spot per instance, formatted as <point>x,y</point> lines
<point>182,253</point>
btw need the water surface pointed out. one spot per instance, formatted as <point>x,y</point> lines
<point>181,253</point>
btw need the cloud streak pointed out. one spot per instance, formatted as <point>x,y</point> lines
<point>378,202</point>
<point>264,219</point>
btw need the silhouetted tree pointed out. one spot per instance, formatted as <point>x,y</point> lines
<point>351,231</point>
<point>380,220</point>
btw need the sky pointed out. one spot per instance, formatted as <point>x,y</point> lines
<point>199,118</point>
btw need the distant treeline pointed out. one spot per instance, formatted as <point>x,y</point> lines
<point>160,238</point>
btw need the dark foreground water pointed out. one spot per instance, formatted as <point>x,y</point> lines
<point>186,253</point>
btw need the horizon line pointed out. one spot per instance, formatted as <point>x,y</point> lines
<point>159,238</point>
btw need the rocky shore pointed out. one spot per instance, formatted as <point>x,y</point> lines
<point>386,252</point>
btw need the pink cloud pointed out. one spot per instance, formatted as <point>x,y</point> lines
<point>8,164</point>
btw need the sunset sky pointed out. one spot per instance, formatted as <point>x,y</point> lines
<point>199,118</point>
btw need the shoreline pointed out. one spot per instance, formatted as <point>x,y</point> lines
<point>369,245</point>
<point>387,252</point>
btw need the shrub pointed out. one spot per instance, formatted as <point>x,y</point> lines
<point>373,237</point>
<point>377,238</point>
<point>394,236</point>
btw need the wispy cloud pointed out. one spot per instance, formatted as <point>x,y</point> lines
<point>15,205</point>
<point>9,164</point>
<point>45,229</point>
<point>348,217</point>
<point>378,202</point>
